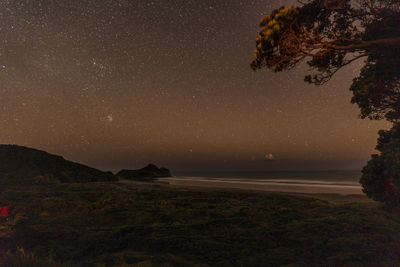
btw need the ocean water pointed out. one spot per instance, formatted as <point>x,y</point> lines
<point>328,176</point>
<point>338,182</point>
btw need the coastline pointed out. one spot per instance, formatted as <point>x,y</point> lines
<point>279,185</point>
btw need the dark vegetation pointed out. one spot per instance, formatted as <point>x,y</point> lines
<point>23,165</point>
<point>330,34</point>
<point>148,224</point>
<point>148,173</point>
<point>381,176</point>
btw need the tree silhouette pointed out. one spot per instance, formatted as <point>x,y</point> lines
<point>381,175</point>
<point>330,34</point>
<point>333,34</point>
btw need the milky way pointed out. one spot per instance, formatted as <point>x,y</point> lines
<point>118,83</point>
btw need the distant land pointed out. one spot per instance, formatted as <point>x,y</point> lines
<point>24,165</point>
<point>148,173</point>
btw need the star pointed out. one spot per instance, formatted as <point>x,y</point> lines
<point>110,118</point>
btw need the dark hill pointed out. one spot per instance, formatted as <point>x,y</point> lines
<point>148,173</point>
<point>20,164</point>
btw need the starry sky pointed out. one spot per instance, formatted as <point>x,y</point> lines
<point>122,83</point>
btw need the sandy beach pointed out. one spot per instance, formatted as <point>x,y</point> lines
<point>282,185</point>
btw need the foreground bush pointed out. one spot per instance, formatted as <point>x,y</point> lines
<point>21,258</point>
<point>117,224</point>
<point>381,176</point>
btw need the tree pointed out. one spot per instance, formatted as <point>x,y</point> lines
<point>330,34</point>
<point>381,175</point>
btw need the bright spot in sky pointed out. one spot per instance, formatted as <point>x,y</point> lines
<point>270,156</point>
<point>110,118</point>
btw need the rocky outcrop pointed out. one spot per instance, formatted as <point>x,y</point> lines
<point>21,165</point>
<point>148,173</point>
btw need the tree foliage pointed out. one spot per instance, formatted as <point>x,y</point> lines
<point>381,176</point>
<point>330,34</point>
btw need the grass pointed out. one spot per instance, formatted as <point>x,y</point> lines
<point>151,225</point>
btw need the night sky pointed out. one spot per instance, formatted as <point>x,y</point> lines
<point>122,83</point>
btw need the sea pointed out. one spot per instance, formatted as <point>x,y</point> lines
<point>331,176</point>
<point>338,182</point>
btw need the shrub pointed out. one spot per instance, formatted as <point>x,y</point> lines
<point>381,176</point>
